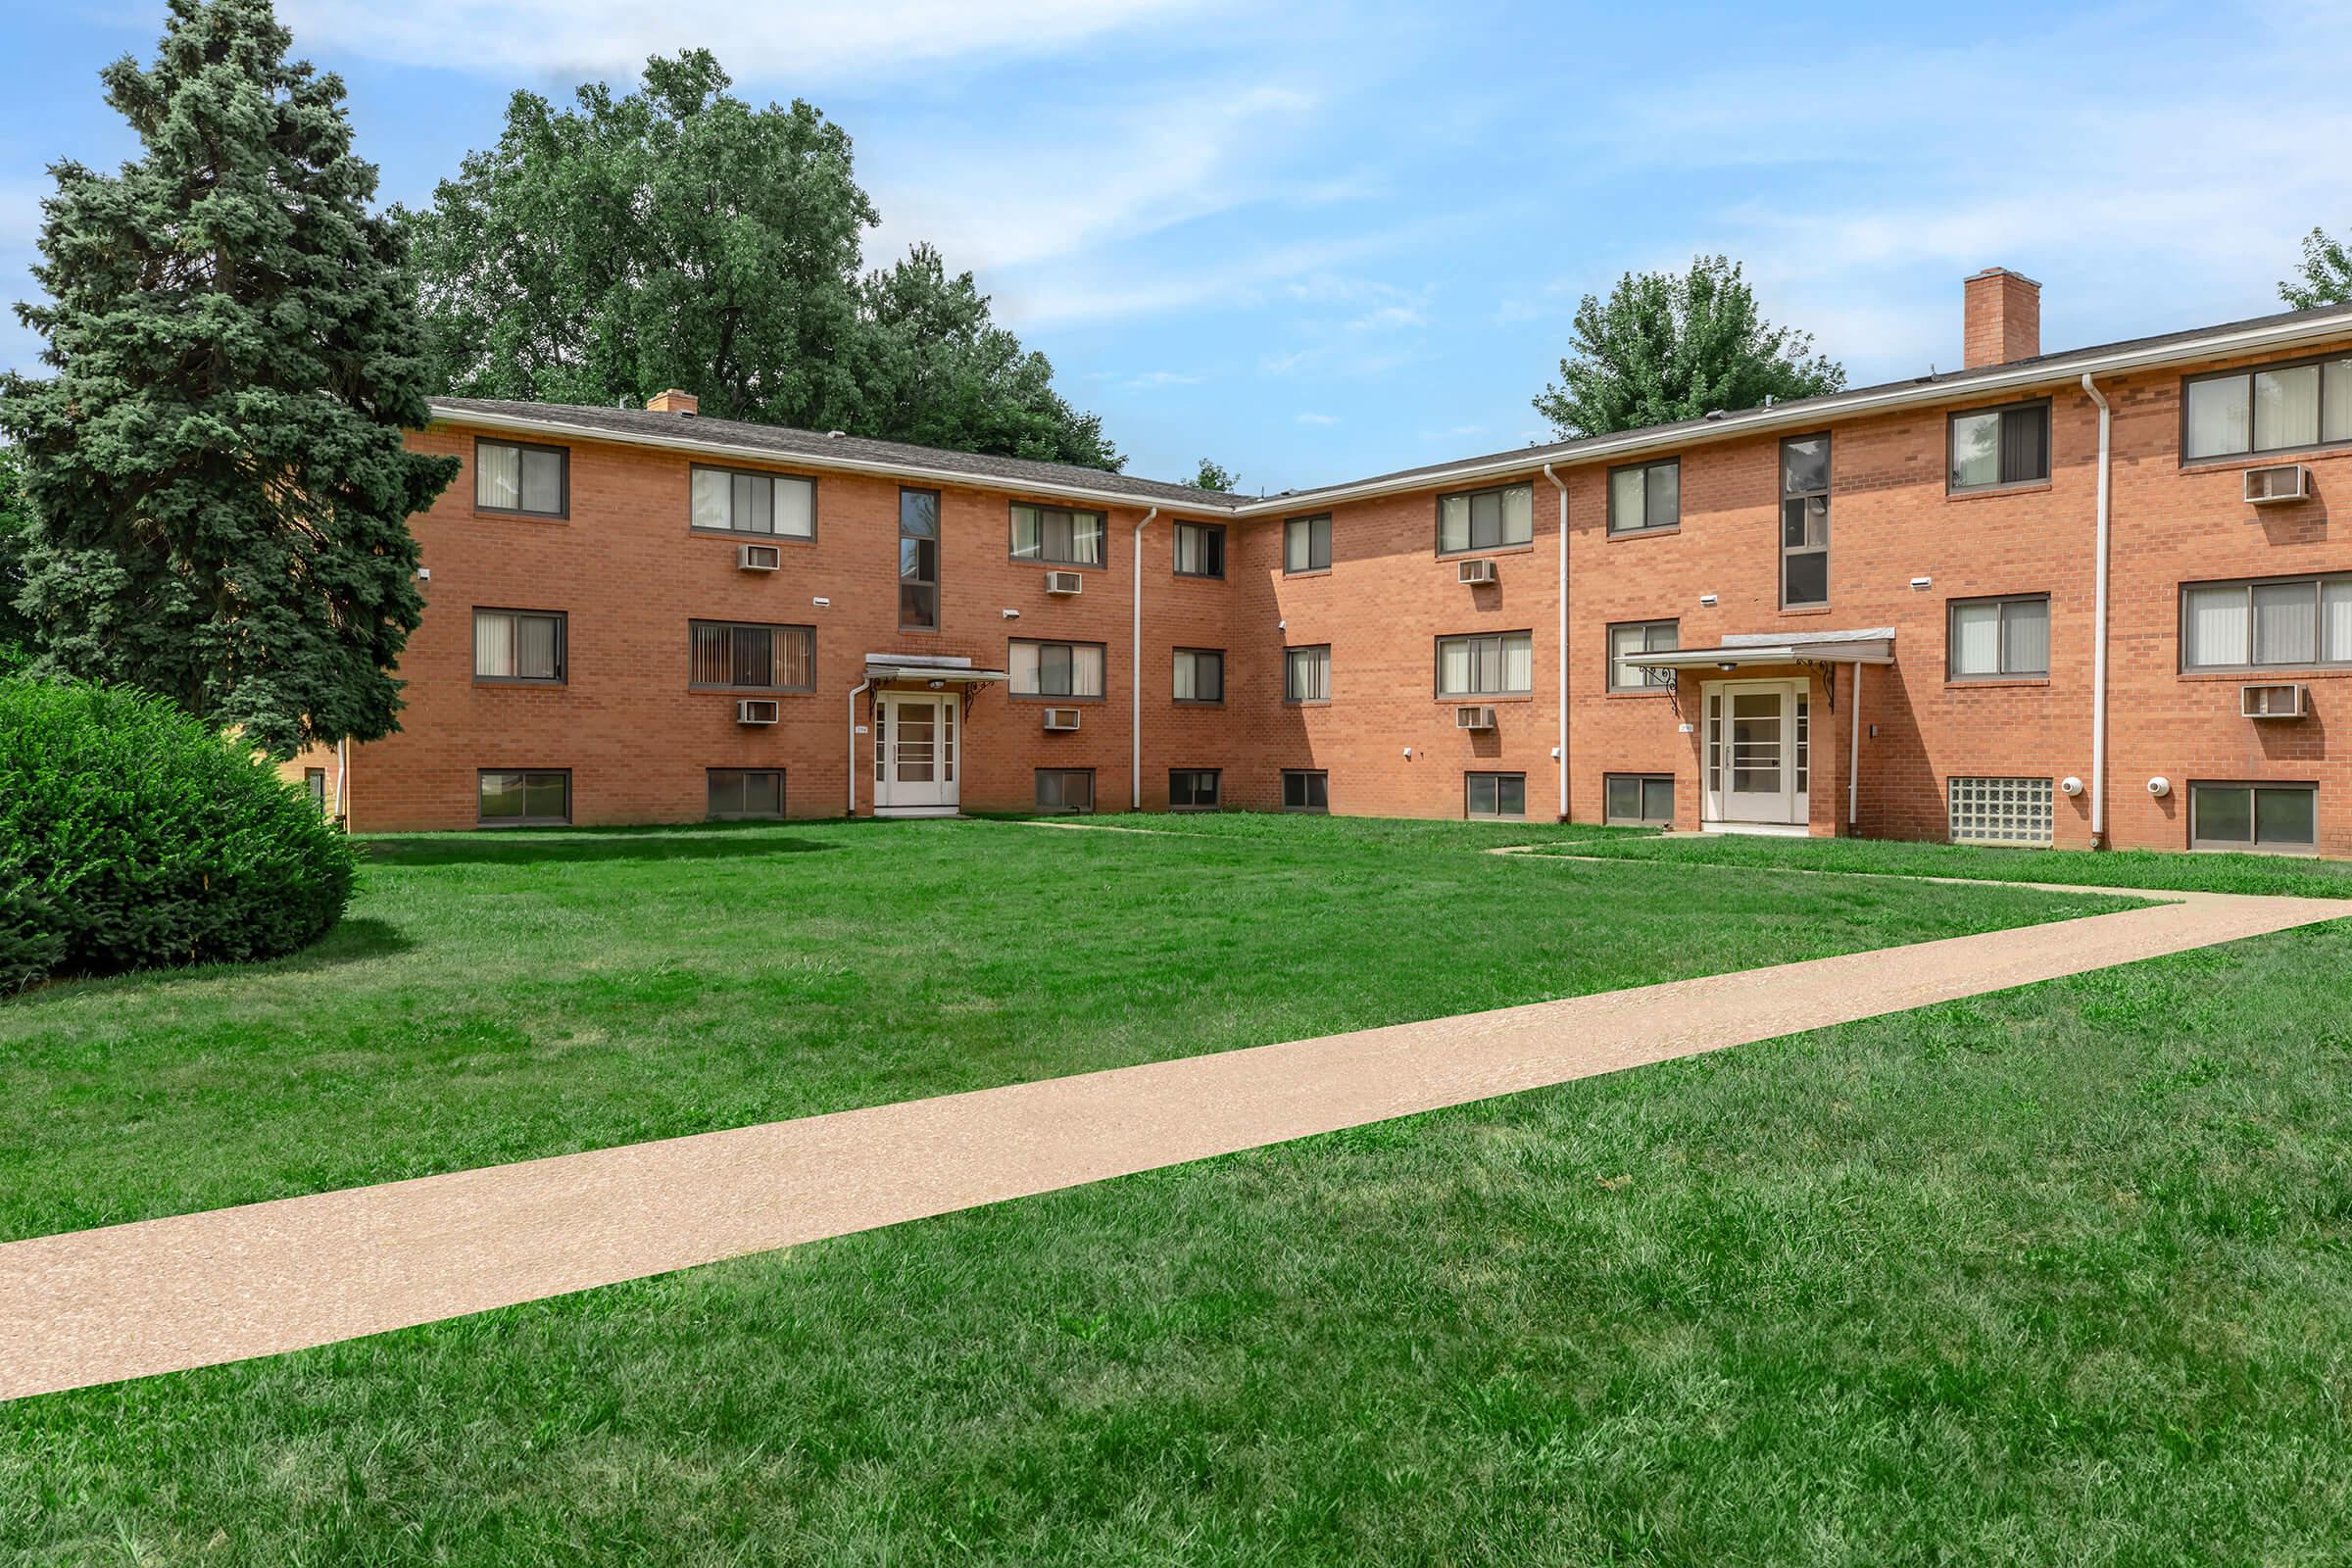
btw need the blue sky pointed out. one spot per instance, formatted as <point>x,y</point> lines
<point>1321,240</point>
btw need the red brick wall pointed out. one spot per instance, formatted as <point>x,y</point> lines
<point>630,576</point>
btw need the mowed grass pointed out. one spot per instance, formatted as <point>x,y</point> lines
<point>494,998</point>
<point>2060,1276</point>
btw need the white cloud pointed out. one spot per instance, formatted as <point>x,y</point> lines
<point>800,40</point>
<point>1151,379</point>
<point>1318,419</point>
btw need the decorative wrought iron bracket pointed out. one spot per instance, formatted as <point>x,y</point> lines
<point>1828,677</point>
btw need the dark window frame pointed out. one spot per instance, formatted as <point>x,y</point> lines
<point>1306,648</point>
<point>1642,783</point>
<point>1470,814</point>
<point>752,534</point>
<point>1216,788</point>
<point>562,621</point>
<point>1612,530</point>
<point>1037,778</point>
<point>1307,776</point>
<point>1951,640</point>
<point>561,513</point>
<point>2319,581</point>
<point>1041,559</point>
<point>1218,701</point>
<point>710,778</point>
<point>1780,520</point>
<point>770,626</point>
<point>937,543</point>
<point>314,784</point>
<point>1474,547</point>
<point>1214,528</point>
<point>1951,429</point>
<point>1309,518</point>
<point>1654,682</point>
<point>1054,699</point>
<point>2253,844</point>
<point>2252,452</point>
<point>524,773</point>
<point>1437,679</point>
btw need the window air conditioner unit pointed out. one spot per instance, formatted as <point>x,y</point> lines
<point>1474,718</point>
<point>758,558</point>
<point>758,711</point>
<point>1477,571</point>
<point>1063,582</point>
<point>2271,701</point>
<point>1060,719</point>
<point>2284,481</point>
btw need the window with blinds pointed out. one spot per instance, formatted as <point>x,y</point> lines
<point>1499,666</point>
<point>730,655</point>
<point>770,504</point>
<point>521,477</point>
<point>1307,674</point>
<point>1645,496</point>
<point>1996,447</point>
<point>1995,638</point>
<point>2279,408</point>
<point>1058,536</point>
<point>1307,544</point>
<point>2283,622</point>
<point>1642,637</point>
<point>1485,519</point>
<point>518,645</point>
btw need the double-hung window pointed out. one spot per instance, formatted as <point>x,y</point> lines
<point>1642,637</point>
<point>518,645</point>
<point>2276,408</point>
<point>1805,522</point>
<point>1497,665</point>
<point>1059,536</point>
<point>1056,669</point>
<point>1200,675</point>
<point>918,559</point>
<point>1307,674</point>
<point>727,655</point>
<point>1485,519</point>
<point>1200,549</point>
<point>770,504</point>
<point>1994,447</point>
<point>1999,638</point>
<point>522,477</point>
<point>1644,496</point>
<point>2281,622</point>
<point>1307,544</point>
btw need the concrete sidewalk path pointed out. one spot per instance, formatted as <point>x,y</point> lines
<point>165,1295</point>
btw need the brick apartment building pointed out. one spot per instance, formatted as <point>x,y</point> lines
<point>2066,598</point>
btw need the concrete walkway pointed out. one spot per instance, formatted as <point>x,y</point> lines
<point>165,1295</point>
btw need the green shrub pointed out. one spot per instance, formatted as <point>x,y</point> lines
<point>131,835</point>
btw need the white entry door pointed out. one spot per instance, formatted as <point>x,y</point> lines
<point>1759,752</point>
<point>915,753</point>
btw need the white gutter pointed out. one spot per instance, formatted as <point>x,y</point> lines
<point>2098,634</point>
<point>1135,674</point>
<point>853,691</point>
<point>1563,490</point>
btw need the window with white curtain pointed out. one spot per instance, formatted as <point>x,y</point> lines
<point>2283,622</point>
<point>1200,549</point>
<point>518,645</point>
<point>1200,675</point>
<point>2000,637</point>
<point>1486,519</point>
<point>729,500</point>
<point>1307,544</point>
<point>1307,674</point>
<point>1059,536</point>
<point>517,476</point>
<point>1643,495</point>
<point>1642,637</point>
<point>2277,408</point>
<point>1996,447</point>
<point>1056,669</point>
<point>1499,666</point>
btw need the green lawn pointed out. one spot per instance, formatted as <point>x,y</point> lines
<point>2058,1276</point>
<point>494,998</point>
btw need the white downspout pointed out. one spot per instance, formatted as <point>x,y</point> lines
<point>1563,490</point>
<point>853,694</point>
<point>2098,644</point>
<point>343,783</point>
<point>1135,675</point>
<point>1853,753</point>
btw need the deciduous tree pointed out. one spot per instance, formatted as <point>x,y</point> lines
<point>2324,276</point>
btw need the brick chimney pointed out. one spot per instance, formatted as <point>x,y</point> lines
<point>2002,317</point>
<point>675,401</point>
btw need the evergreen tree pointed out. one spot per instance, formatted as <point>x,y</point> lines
<point>1677,346</point>
<point>15,532</point>
<point>219,482</point>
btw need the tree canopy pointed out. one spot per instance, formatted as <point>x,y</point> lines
<point>16,535</point>
<point>218,485</point>
<point>1215,476</point>
<point>2323,277</point>
<point>1668,346</point>
<point>677,237</point>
